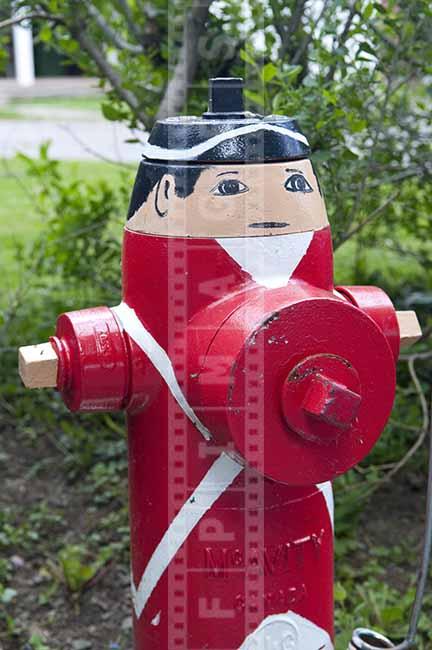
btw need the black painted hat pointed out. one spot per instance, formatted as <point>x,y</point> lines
<point>226,133</point>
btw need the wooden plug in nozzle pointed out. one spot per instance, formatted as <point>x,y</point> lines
<point>38,365</point>
<point>409,327</point>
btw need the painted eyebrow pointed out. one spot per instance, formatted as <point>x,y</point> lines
<point>223,173</point>
<point>290,169</point>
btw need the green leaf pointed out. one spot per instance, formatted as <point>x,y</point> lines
<point>348,154</point>
<point>256,97</point>
<point>340,593</point>
<point>367,47</point>
<point>37,643</point>
<point>246,57</point>
<point>269,72</point>
<point>392,614</point>
<point>110,112</point>
<point>45,33</point>
<point>321,155</point>
<point>293,72</point>
<point>367,12</point>
<point>76,572</point>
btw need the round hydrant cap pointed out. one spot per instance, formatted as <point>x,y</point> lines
<point>226,132</point>
<point>309,387</point>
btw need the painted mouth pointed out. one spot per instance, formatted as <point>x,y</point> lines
<point>269,224</point>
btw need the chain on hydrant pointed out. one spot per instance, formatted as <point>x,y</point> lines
<point>249,380</point>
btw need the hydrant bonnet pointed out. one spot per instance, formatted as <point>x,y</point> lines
<point>226,135</point>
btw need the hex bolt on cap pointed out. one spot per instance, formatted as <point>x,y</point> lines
<point>321,398</point>
<point>331,402</point>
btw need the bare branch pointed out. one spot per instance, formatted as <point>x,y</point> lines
<point>16,20</point>
<point>293,26</point>
<point>110,33</point>
<point>423,432</point>
<point>422,356</point>
<point>382,36</point>
<point>369,218</point>
<point>342,39</point>
<point>286,31</point>
<point>187,64</point>
<point>127,13</point>
<point>308,39</point>
<point>108,71</point>
<point>407,173</point>
<point>92,151</point>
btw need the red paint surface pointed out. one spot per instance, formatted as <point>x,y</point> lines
<point>295,554</point>
<point>234,347</point>
<point>374,302</point>
<point>331,402</point>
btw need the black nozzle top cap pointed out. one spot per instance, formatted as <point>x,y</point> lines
<point>226,133</point>
<point>225,96</point>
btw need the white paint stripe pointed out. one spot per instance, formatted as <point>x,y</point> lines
<point>156,620</point>
<point>270,261</point>
<point>327,490</point>
<point>160,153</point>
<point>159,358</point>
<point>219,477</point>
<point>287,631</point>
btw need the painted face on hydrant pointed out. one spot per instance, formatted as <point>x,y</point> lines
<point>233,201</point>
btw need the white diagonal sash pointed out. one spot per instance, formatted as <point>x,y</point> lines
<point>159,358</point>
<point>218,478</point>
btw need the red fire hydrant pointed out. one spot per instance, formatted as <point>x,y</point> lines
<point>248,379</point>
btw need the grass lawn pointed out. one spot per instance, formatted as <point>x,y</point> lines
<point>19,221</point>
<point>21,108</point>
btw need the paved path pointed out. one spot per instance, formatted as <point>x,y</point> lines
<point>49,87</point>
<point>74,139</point>
<point>74,134</point>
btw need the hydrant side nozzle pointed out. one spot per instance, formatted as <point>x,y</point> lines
<point>92,362</point>
<point>94,359</point>
<point>374,302</point>
<point>401,328</point>
<point>38,365</point>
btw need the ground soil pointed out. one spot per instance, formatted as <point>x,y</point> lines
<point>100,618</point>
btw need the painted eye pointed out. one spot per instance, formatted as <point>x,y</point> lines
<point>298,183</point>
<point>229,187</point>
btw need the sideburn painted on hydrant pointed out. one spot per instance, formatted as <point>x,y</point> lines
<point>249,381</point>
